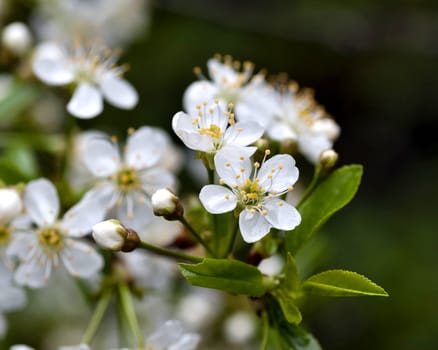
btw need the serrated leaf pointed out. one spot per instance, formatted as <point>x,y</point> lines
<point>339,283</point>
<point>290,311</point>
<point>231,276</point>
<point>332,194</point>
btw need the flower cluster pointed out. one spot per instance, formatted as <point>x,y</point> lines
<point>109,215</point>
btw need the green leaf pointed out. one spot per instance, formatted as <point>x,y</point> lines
<point>292,279</point>
<point>290,311</point>
<point>332,194</point>
<point>285,335</point>
<point>339,283</point>
<point>231,276</point>
<point>17,100</point>
<point>18,164</point>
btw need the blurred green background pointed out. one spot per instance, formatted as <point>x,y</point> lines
<point>374,66</point>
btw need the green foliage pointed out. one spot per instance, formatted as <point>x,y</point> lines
<point>285,335</point>
<point>292,279</point>
<point>231,276</point>
<point>290,310</point>
<point>17,100</point>
<point>332,194</point>
<point>18,163</point>
<point>339,283</point>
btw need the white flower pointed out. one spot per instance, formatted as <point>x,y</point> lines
<point>17,38</point>
<point>228,84</point>
<point>92,69</point>
<point>53,241</point>
<point>296,116</point>
<point>10,206</point>
<point>125,183</point>
<point>256,196</point>
<point>110,234</point>
<point>116,22</point>
<point>213,128</point>
<point>78,174</point>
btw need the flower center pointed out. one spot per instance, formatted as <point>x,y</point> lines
<point>127,179</point>
<point>250,193</point>
<point>213,131</point>
<point>5,235</point>
<point>51,238</point>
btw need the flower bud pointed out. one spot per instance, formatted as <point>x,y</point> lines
<point>112,235</point>
<point>328,159</point>
<point>166,203</point>
<point>10,205</point>
<point>17,38</point>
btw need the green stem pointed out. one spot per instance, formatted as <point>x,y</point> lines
<point>131,317</point>
<point>196,235</point>
<point>122,323</point>
<point>265,338</point>
<point>170,253</point>
<point>232,239</point>
<point>96,319</point>
<point>210,176</point>
<point>312,185</point>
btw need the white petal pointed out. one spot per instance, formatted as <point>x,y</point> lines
<point>196,93</point>
<point>233,164</point>
<point>41,202</point>
<point>253,226</point>
<point>135,211</point>
<point>188,341</point>
<point>92,208</point>
<point>281,215</point>
<point>222,74</point>
<point>51,65</point>
<point>21,245</point>
<point>10,205</point>
<point>145,147</point>
<point>243,133</point>
<point>156,178</point>
<point>80,259</point>
<point>285,173</point>
<point>280,131</point>
<point>35,272</point>
<point>326,127</point>
<point>169,333</point>
<point>21,347</point>
<point>86,102</point>
<point>217,199</point>
<point>257,104</point>
<point>118,91</point>
<point>102,157</point>
<point>311,146</point>
<point>196,141</point>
